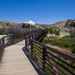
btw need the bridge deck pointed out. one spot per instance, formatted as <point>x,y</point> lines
<point>14,61</point>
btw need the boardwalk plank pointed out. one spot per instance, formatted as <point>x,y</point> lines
<point>14,61</point>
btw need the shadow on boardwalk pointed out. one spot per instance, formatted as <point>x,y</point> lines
<point>1,53</point>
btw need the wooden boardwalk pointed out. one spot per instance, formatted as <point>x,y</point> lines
<point>14,62</point>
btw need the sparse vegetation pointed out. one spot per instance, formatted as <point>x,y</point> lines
<point>65,42</point>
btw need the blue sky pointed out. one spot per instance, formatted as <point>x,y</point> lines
<point>41,11</point>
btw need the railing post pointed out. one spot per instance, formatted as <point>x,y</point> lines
<point>25,42</point>
<point>31,46</point>
<point>44,57</point>
<point>3,41</point>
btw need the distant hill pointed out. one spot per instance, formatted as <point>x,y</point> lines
<point>8,27</point>
<point>19,27</point>
<point>62,24</point>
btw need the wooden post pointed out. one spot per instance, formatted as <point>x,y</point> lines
<point>25,42</point>
<point>44,57</point>
<point>31,48</point>
<point>3,41</point>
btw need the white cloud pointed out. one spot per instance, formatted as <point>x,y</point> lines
<point>30,22</point>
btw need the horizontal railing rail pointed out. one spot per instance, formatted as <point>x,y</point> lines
<point>2,41</point>
<point>6,40</point>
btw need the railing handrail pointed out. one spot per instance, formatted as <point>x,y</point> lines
<point>2,40</point>
<point>53,53</point>
<point>69,55</point>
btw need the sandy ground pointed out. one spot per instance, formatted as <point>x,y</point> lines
<point>14,62</point>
